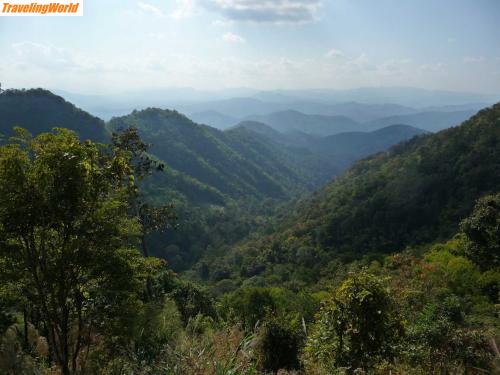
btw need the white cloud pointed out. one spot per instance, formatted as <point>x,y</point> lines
<point>34,64</point>
<point>267,11</point>
<point>37,57</point>
<point>229,37</point>
<point>158,36</point>
<point>149,8</point>
<point>334,53</point>
<point>183,8</point>
<point>361,63</point>
<point>434,67</point>
<point>30,54</point>
<point>472,59</point>
<point>222,23</point>
<point>394,66</point>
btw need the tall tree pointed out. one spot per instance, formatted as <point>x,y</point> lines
<point>66,239</point>
<point>482,231</point>
<point>151,218</point>
<point>357,328</point>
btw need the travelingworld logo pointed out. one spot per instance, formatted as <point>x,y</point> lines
<point>15,8</point>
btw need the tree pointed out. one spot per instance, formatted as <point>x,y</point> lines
<point>248,306</point>
<point>439,340</point>
<point>67,240</point>
<point>482,230</point>
<point>279,342</point>
<point>357,328</point>
<point>151,218</point>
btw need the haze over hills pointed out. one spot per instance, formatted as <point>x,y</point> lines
<point>294,121</point>
<point>285,154</point>
<point>250,187</point>
<point>249,161</point>
<point>246,216</point>
<point>237,163</point>
<point>214,119</point>
<point>404,96</point>
<point>430,121</point>
<point>342,149</point>
<point>360,104</point>
<point>348,147</point>
<point>416,192</point>
<point>288,121</point>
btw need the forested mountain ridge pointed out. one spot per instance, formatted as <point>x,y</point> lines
<point>340,149</point>
<point>82,291</point>
<point>427,120</point>
<point>346,148</point>
<point>237,163</point>
<point>39,110</point>
<point>290,120</point>
<point>415,193</point>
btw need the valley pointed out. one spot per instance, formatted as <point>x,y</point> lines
<point>266,215</point>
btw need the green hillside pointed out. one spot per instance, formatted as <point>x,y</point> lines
<point>39,111</point>
<point>415,193</point>
<point>342,149</point>
<point>346,148</point>
<point>237,163</point>
<point>431,121</point>
<point>287,121</point>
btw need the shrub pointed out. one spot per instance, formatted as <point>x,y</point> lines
<point>357,328</point>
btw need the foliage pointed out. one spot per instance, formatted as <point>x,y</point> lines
<point>40,111</point>
<point>77,297</point>
<point>413,194</point>
<point>236,166</point>
<point>279,342</point>
<point>482,230</point>
<point>357,328</point>
<point>438,341</point>
<point>249,306</point>
<point>191,300</point>
<point>66,240</point>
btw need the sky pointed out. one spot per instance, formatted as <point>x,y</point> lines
<point>125,45</point>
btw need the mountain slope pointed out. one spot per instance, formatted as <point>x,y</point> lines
<point>415,193</point>
<point>346,148</point>
<point>430,121</point>
<point>340,149</point>
<point>213,119</point>
<point>287,121</point>
<point>237,163</point>
<point>39,111</point>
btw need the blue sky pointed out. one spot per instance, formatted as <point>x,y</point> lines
<point>266,44</point>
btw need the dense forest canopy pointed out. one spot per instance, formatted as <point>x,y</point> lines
<point>415,193</point>
<point>391,267</point>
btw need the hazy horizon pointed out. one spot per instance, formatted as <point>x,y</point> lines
<point>130,45</point>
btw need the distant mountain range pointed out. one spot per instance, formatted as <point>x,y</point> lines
<point>236,163</point>
<point>214,119</point>
<point>294,121</point>
<point>289,121</point>
<point>364,104</point>
<point>430,121</point>
<point>341,149</point>
<point>207,165</point>
<point>413,194</point>
<point>211,172</point>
